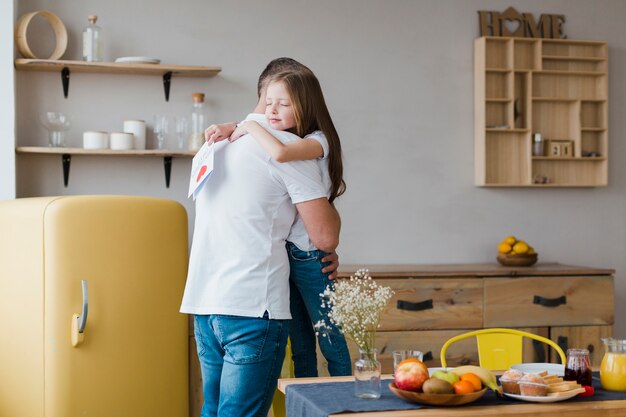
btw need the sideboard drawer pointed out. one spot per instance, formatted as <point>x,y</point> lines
<point>433,304</point>
<point>548,301</point>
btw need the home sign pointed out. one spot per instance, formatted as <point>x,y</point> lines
<point>521,25</point>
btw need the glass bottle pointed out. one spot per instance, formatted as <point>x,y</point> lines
<point>578,366</point>
<point>198,122</point>
<point>367,372</point>
<point>92,41</point>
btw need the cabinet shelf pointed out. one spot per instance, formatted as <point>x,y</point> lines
<point>586,73</point>
<point>572,58</point>
<point>505,130</point>
<point>66,156</point>
<point>555,88</point>
<point>65,67</point>
<point>568,159</point>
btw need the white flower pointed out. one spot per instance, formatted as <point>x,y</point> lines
<point>355,307</point>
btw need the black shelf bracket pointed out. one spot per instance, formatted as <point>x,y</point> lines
<point>65,79</point>
<point>66,159</point>
<point>167,81</point>
<point>167,165</point>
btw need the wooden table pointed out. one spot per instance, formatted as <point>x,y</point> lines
<point>616,408</point>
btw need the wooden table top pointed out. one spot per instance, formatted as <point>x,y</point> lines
<point>616,408</point>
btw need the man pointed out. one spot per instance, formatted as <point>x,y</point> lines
<point>215,133</point>
<point>237,286</point>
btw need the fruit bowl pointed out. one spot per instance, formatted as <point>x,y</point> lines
<point>517,259</point>
<point>436,399</point>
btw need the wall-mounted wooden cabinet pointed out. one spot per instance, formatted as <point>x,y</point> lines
<point>552,87</point>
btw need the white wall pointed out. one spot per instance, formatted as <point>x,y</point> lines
<point>397,77</point>
<point>7,104</point>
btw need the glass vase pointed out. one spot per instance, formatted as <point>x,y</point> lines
<point>367,375</point>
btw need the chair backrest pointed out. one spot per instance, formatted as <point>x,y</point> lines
<point>499,348</point>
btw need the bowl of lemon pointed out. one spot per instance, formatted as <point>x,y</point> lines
<point>515,252</point>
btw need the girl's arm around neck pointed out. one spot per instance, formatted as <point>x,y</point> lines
<point>298,150</point>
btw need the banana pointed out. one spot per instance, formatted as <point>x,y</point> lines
<point>486,376</point>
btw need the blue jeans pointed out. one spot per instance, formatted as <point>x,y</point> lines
<point>306,283</point>
<point>240,360</point>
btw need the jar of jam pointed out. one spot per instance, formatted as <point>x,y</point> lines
<point>578,366</point>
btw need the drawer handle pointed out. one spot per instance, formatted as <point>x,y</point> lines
<point>408,305</point>
<point>549,302</point>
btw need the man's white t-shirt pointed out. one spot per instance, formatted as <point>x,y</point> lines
<point>238,263</point>
<point>298,235</point>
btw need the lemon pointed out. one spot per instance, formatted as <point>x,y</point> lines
<point>510,240</point>
<point>504,247</point>
<point>521,247</point>
<point>531,250</point>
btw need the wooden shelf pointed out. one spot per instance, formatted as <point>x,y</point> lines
<point>499,130</point>
<point>65,68</point>
<point>559,89</point>
<point>114,67</point>
<point>66,156</point>
<point>585,73</point>
<point>104,152</point>
<point>498,100</point>
<point>570,159</point>
<point>573,58</point>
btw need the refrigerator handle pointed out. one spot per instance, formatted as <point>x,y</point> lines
<point>79,321</point>
<point>83,316</point>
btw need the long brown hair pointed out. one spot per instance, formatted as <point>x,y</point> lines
<point>311,114</point>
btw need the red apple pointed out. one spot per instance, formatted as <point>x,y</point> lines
<point>410,375</point>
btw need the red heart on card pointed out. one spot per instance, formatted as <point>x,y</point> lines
<point>203,169</point>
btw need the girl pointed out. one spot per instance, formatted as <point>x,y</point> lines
<point>295,103</point>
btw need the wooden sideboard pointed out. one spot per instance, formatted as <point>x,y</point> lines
<point>438,302</point>
<point>572,305</point>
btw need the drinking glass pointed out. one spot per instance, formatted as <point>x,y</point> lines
<point>161,127</point>
<point>400,355</point>
<point>56,124</point>
<point>182,130</point>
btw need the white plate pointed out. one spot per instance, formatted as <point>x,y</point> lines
<point>533,368</point>
<point>536,399</point>
<point>137,60</point>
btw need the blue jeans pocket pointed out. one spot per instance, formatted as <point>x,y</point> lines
<point>243,338</point>
<point>197,332</point>
<point>296,254</point>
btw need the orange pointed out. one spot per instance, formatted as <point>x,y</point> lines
<point>520,247</point>
<point>474,379</point>
<point>504,247</point>
<point>510,240</point>
<point>463,387</point>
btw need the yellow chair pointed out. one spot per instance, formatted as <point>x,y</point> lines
<point>278,403</point>
<point>499,348</point>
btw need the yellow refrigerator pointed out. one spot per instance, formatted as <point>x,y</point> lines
<point>90,288</point>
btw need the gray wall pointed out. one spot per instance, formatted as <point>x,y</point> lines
<point>397,77</point>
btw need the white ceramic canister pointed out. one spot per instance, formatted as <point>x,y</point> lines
<point>137,128</point>
<point>121,141</point>
<point>95,140</point>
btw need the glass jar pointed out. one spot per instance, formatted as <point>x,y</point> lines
<point>367,372</point>
<point>578,366</point>
<point>198,122</point>
<point>92,41</point>
<point>613,366</point>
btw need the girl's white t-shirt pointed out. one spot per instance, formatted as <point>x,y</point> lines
<point>298,234</point>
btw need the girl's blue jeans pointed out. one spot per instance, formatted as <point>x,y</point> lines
<point>240,360</point>
<point>306,283</point>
